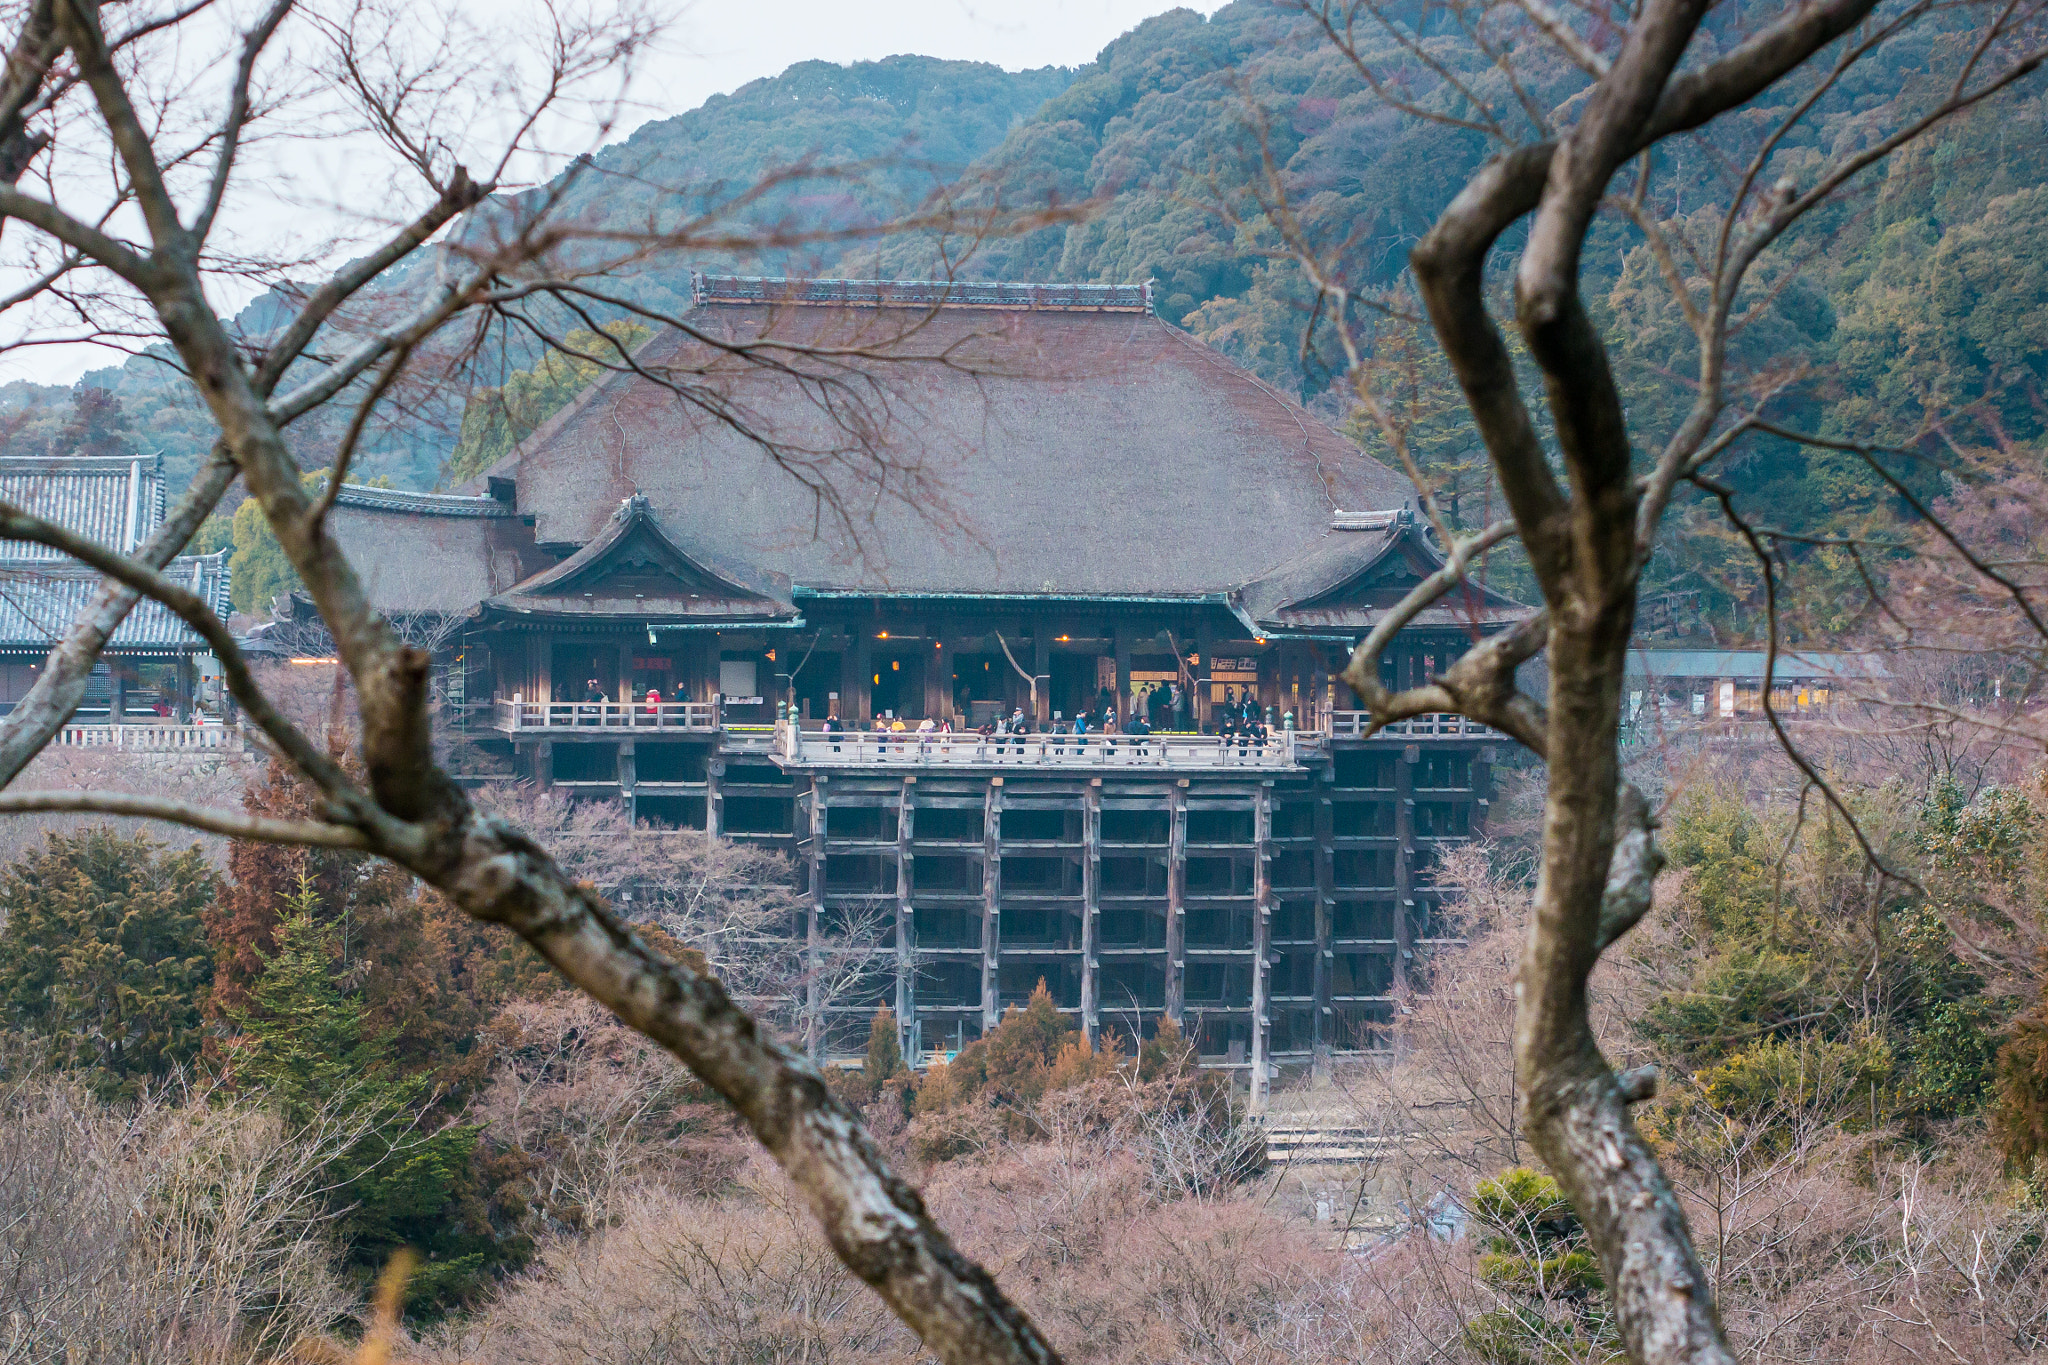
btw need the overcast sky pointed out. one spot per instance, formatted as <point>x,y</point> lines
<point>716,46</point>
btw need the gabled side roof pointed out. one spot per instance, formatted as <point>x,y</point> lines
<point>635,569</point>
<point>1366,564</point>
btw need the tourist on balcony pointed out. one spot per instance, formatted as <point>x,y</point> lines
<point>1141,730</point>
<point>653,705</point>
<point>833,726</point>
<point>594,700</point>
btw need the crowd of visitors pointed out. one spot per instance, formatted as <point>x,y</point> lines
<point>1159,709</point>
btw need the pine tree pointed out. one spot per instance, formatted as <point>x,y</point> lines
<point>1536,1255</point>
<point>104,960</point>
<point>885,1053</point>
<point>313,1050</point>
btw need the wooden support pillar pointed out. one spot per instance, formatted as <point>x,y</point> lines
<point>1482,789</point>
<point>1404,866</point>
<point>627,775</point>
<point>854,701</point>
<point>906,969</point>
<point>714,796</point>
<point>541,667</point>
<point>1262,940</point>
<point>938,688</point>
<point>991,900</point>
<point>544,763</point>
<point>1041,669</point>
<point>1326,902</point>
<point>1121,635</point>
<point>1205,645</point>
<point>814,913</point>
<point>117,693</point>
<point>1091,908</point>
<point>1176,893</point>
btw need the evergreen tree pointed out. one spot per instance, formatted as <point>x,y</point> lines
<point>885,1053</point>
<point>105,959</point>
<point>312,1049</point>
<point>1535,1253</point>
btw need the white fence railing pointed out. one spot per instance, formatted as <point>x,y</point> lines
<point>151,737</point>
<point>1437,725</point>
<point>861,748</point>
<point>524,717</point>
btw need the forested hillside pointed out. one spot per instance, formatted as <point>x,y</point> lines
<point>1917,312</point>
<point>896,130</point>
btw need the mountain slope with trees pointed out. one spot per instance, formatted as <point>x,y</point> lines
<point>1914,317</point>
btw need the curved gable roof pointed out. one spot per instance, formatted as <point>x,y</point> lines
<point>1366,565</point>
<point>1035,448</point>
<point>633,568</point>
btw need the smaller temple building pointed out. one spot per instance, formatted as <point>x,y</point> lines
<point>153,668</point>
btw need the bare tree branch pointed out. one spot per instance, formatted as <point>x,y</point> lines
<point>233,824</point>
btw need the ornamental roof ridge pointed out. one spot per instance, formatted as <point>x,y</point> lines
<point>1020,296</point>
<point>433,504</point>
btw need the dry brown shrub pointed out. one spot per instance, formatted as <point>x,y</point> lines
<point>181,1230</point>
<point>681,1279</point>
<point>603,1118</point>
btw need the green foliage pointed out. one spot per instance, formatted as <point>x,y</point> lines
<point>499,419</point>
<point>104,960</point>
<point>399,1181</point>
<point>1953,1058</point>
<point>885,1051</point>
<point>1536,1254</point>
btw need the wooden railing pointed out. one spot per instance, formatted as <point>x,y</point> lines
<point>542,717</point>
<point>152,737</point>
<point>1438,725</point>
<point>862,748</point>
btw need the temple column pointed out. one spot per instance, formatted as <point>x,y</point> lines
<point>1121,636</point>
<point>1176,892</point>
<point>854,701</point>
<point>906,972</point>
<point>1262,938</point>
<point>938,688</point>
<point>991,900</point>
<point>1091,907</point>
<point>1041,670</point>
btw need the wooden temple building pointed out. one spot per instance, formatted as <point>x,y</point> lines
<point>153,667</point>
<point>1044,500</point>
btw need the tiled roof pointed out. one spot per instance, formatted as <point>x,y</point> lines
<point>1061,451</point>
<point>116,500</point>
<point>119,502</point>
<point>1747,665</point>
<point>634,569</point>
<point>1088,298</point>
<point>1366,564</point>
<point>427,504</point>
<point>38,601</point>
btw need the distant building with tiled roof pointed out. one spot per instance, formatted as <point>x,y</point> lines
<point>147,670</point>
